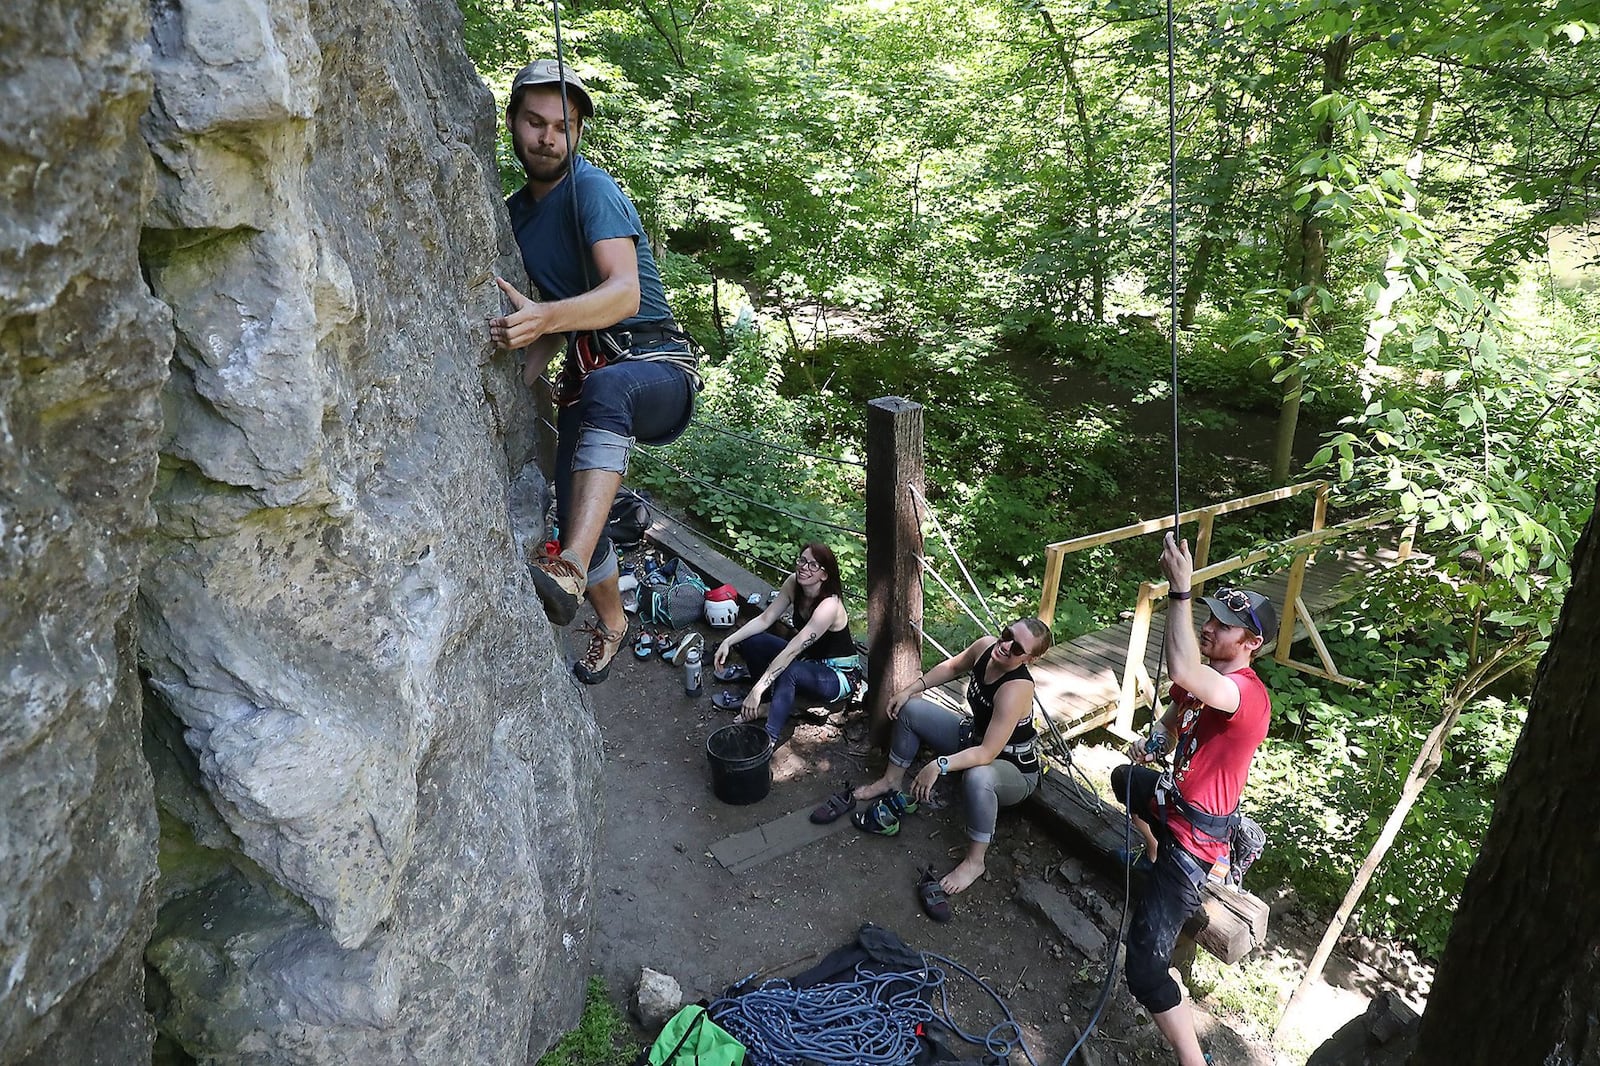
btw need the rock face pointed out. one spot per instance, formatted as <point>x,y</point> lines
<point>377,783</point>
<point>83,355</point>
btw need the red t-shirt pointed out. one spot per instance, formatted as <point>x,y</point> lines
<point>1212,759</point>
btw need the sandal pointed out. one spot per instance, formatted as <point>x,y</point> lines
<point>645,646</point>
<point>732,672</point>
<point>728,699</point>
<point>837,806</point>
<point>935,902</point>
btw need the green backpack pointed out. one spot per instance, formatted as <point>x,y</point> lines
<point>691,1038</point>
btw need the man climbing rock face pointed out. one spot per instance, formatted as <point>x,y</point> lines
<point>1217,718</point>
<point>629,373</point>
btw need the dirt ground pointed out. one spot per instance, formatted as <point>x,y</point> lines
<point>666,903</point>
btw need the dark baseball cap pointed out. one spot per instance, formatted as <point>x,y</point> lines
<point>549,72</point>
<point>1238,607</point>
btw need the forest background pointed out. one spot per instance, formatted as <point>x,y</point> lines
<point>1384,276</point>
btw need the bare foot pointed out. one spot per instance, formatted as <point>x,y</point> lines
<point>961,878</point>
<point>883,786</point>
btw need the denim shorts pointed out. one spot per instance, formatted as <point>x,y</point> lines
<point>635,400</point>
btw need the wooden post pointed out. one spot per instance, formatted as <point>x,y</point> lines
<point>1408,540</point>
<point>1202,546</point>
<point>1297,580</point>
<point>894,546</point>
<point>1053,558</point>
<point>1138,640</point>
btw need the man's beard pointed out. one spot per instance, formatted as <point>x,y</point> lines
<point>543,167</point>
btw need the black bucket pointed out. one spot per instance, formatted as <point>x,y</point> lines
<point>741,763</point>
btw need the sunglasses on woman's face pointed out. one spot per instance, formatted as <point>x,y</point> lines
<point>1010,642</point>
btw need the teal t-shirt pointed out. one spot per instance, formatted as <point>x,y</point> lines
<point>556,258</point>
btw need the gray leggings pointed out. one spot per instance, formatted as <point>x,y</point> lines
<point>985,788</point>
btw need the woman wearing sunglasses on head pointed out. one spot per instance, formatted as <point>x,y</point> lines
<point>993,750</point>
<point>819,661</point>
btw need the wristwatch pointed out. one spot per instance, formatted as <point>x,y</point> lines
<point>944,765</point>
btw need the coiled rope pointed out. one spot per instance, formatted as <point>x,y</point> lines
<point>874,1020</point>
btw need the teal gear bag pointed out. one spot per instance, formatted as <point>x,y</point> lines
<point>672,595</point>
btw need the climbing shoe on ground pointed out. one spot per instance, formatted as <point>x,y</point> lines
<point>837,806</point>
<point>676,653</point>
<point>560,586</point>
<point>603,647</point>
<point>645,644</point>
<point>883,817</point>
<point>935,902</point>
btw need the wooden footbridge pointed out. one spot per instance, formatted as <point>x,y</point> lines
<point>1101,679</point>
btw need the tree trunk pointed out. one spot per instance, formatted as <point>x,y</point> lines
<point>1225,166</point>
<point>1091,168</point>
<point>716,315</point>
<point>1304,306</point>
<point>1195,284</point>
<point>1520,978</point>
<point>1288,424</point>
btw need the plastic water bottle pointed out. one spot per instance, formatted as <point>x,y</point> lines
<point>692,681</point>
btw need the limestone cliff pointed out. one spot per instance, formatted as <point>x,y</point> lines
<point>83,355</point>
<point>377,783</point>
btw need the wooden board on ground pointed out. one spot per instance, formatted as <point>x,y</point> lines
<point>781,836</point>
<point>1229,924</point>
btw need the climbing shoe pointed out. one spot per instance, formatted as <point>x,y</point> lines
<point>560,585</point>
<point>603,647</point>
<point>883,817</point>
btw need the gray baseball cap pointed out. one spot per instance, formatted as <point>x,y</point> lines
<point>1237,607</point>
<point>549,72</point>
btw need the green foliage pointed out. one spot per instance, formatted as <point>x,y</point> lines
<point>1330,773</point>
<point>601,1038</point>
<point>762,503</point>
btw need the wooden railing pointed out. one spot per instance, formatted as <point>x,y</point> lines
<point>1137,685</point>
<point>1205,516</point>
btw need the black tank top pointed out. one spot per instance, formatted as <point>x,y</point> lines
<point>831,644</point>
<point>980,697</point>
